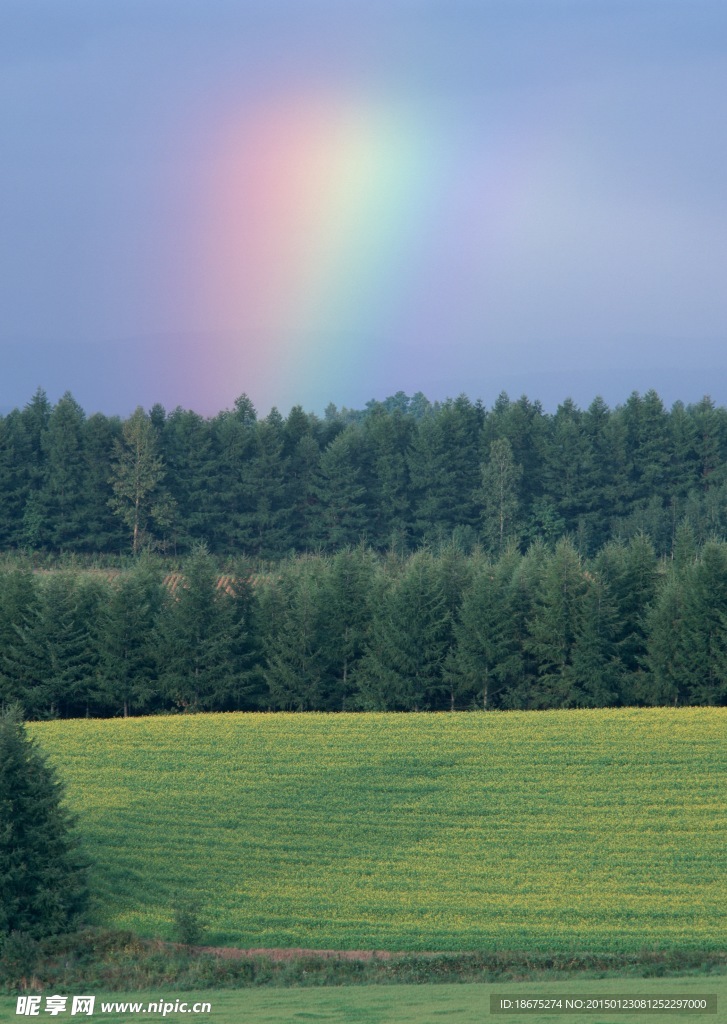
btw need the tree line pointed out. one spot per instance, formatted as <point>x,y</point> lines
<point>356,630</point>
<point>397,475</point>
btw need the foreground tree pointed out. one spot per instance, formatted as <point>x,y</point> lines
<point>42,873</point>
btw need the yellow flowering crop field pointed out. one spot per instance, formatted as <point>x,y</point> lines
<point>583,830</point>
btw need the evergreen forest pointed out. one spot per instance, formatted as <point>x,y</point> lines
<point>397,475</point>
<point>408,556</point>
<point>431,630</point>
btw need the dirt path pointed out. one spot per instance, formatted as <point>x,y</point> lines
<point>228,953</point>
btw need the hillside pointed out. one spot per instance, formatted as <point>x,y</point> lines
<point>585,830</point>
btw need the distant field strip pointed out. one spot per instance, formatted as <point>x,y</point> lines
<point>546,830</point>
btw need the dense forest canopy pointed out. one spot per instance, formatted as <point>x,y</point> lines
<point>396,475</point>
<point>408,556</point>
<point>357,630</point>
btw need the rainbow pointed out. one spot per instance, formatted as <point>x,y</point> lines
<point>319,216</point>
<point>346,247</point>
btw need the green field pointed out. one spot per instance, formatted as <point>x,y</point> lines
<point>409,1004</point>
<point>545,831</point>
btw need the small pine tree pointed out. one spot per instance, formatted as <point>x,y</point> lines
<point>42,873</point>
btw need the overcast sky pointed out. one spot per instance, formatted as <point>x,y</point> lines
<point>336,200</point>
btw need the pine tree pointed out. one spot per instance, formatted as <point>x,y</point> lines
<point>387,438</point>
<point>522,582</point>
<point>684,551</point>
<point>347,583</point>
<point>62,497</point>
<point>525,426</point>
<point>35,417</point>
<point>648,441</point>
<point>596,668</point>
<point>704,628</point>
<point>631,575</point>
<point>665,649</point>
<point>444,470</point>
<point>264,522</point>
<point>102,530</point>
<point>710,430</point>
<point>404,665</point>
<point>233,441</point>
<point>200,635</point>
<point>297,666</point>
<point>42,873</point>
<point>51,663</point>
<point>15,465</point>
<point>18,595</point>
<point>126,640</point>
<point>683,470</point>
<point>597,474</point>
<point>454,570</point>
<point>341,493</point>
<point>303,500</point>
<point>567,462</point>
<point>480,648</point>
<point>555,625</point>
<point>187,449</point>
<point>431,481</point>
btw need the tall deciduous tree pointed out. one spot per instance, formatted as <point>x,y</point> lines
<point>499,496</point>
<point>136,479</point>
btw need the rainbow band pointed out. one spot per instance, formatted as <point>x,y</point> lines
<point>317,219</point>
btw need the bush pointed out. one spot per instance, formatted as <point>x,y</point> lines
<point>188,928</point>
<point>19,956</point>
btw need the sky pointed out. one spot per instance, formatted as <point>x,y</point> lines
<point>316,201</point>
